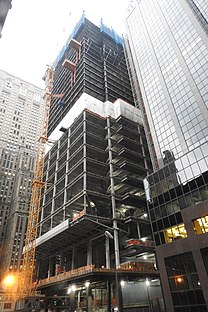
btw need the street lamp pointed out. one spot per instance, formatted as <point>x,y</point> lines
<point>87,284</point>
<point>9,281</point>
<point>69,290</point>
<point>73,288</point>
<point>10,285</point>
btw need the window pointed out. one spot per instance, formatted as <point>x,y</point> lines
<point>201,225</point>
<point>184,282</point>
<point>37,97</point>
<point>8,83</point>
<point>23,89</point>
<point>174,233</point>
<point>7,305</point>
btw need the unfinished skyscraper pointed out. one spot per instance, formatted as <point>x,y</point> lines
<point>93,228</point>
<point>21,115</point>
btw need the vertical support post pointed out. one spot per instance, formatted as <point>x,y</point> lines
<point>44,269</point>
<point>109,295</point>
<point>44,193</point>
<point>78,298</point>
<point>115,224</point>
<point>85,162</point>
<point>77,55</point>
<point>74,74</point>
<point>74,253</point>
<point>54,186</point>
<point>50,267</point>
<point>66,176</point>
<point>143,149</point>
<point>89,299</point>
<point>62,261</point>
<point>105,75</point>
<point>72,301</point>
<point>37,268</point>
<point>89,253</point>
<point>139,231</point>
<point>113,200</point>
<point>66,179</point>
<point>149,299</point>
<point>107,252</point>
<point>72,77</point>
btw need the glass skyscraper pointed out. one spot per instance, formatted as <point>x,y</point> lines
<point>168,51</point>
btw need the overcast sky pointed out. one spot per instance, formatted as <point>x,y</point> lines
<point>35,31</point>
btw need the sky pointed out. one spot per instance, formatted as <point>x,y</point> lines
<point>35,31</point>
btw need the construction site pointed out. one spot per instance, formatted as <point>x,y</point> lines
<point>89,245</point>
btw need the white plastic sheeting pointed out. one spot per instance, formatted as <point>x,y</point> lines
<point>116,109</point>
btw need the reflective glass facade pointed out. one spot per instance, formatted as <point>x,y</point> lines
<point>170,49</point>
<point>178,185</point>
<point>168,41</point>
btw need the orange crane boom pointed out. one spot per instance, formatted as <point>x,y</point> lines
<point>26,282</point>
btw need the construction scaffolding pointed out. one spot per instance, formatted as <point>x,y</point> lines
<point>95,64</point>
<point>85,181</point>
<point>140,268</point>
<point>94,174</point>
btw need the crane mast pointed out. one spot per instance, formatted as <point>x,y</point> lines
<point>26,282</point>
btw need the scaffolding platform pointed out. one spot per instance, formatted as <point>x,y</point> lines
<point>80,230</point>
<point>69,65</point>
<point>89,272</point>
<point>74,44</point>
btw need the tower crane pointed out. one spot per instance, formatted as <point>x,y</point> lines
<point>26,277</point>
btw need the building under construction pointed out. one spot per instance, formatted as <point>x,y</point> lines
<point>92,61</point>
<point>94,250</point>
